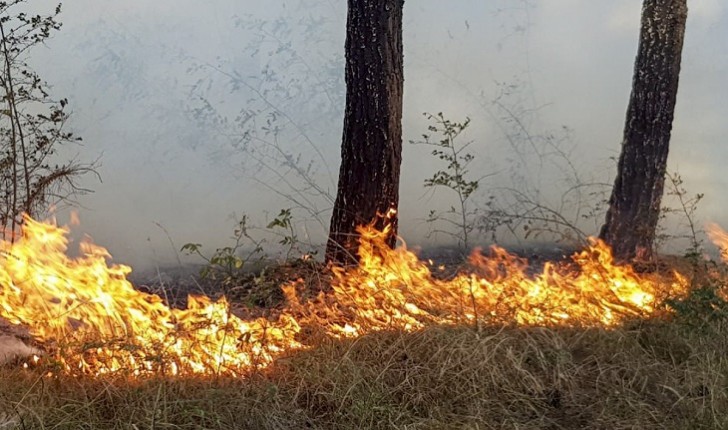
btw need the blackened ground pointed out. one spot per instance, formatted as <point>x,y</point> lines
<point>258,287</point>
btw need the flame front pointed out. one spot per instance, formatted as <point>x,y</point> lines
<point>393,289</point>
<point>96,322</point>
<point>100,323</point>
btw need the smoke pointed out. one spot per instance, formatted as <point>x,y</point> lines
<point>199,111</point>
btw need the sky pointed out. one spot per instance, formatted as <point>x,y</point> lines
<point>200,112</point>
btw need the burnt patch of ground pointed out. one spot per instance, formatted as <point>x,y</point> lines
<point>251,292</point>
<point>255,289</point>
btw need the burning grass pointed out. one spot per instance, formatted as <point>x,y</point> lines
<point>586,344</point>
<point>93,321</point>
<point>644,375</point>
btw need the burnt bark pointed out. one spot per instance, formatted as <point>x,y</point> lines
<point>371,149</point>
<point>634,206</point>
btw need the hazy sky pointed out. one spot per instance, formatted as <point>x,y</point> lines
<point>164,93</point>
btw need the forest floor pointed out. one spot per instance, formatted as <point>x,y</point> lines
<point>660,373</point>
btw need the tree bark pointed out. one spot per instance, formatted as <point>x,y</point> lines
<point>634,206</point>
<point>371,150</point>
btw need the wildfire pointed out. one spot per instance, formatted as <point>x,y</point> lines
<point>94,321</point>
<point>393,289</point>
<point>720,238</point>
<point>99,323</point>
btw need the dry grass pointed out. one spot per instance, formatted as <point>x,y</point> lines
<point>653,375</point>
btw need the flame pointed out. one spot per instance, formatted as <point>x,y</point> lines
<point>101,324</point>
<point>720,238</point>
<point>393,289</point>
<point>96,322</point>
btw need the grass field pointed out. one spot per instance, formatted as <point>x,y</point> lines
<point>646,375</point>
<point>585,344</point>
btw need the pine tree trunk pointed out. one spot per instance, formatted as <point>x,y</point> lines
<point>371,150</point>
<point>634,207</point>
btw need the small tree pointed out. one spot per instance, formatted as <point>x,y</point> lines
<point>31,123</point>
<point>455,176</point>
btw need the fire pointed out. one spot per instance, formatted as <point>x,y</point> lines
<point>94,321</point>
<point>99,323</point>
<point>393,289</point>
<point>720,238</point>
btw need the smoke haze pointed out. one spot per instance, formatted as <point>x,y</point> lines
<point>187,103</point>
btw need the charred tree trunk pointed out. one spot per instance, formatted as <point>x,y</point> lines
<point>634,206</point>
<point>371,149</point>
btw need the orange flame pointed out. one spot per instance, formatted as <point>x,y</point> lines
<point>720,238</point>
<point>98,323</point>
<point>101,324</point>
<point>393,289</point>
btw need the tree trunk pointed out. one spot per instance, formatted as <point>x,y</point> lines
<point>634,207</point>
<point>371,150</point>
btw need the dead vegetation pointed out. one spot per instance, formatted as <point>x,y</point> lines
<point>647,375</point>
<point>663,371</point>
<point>666,372</point>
